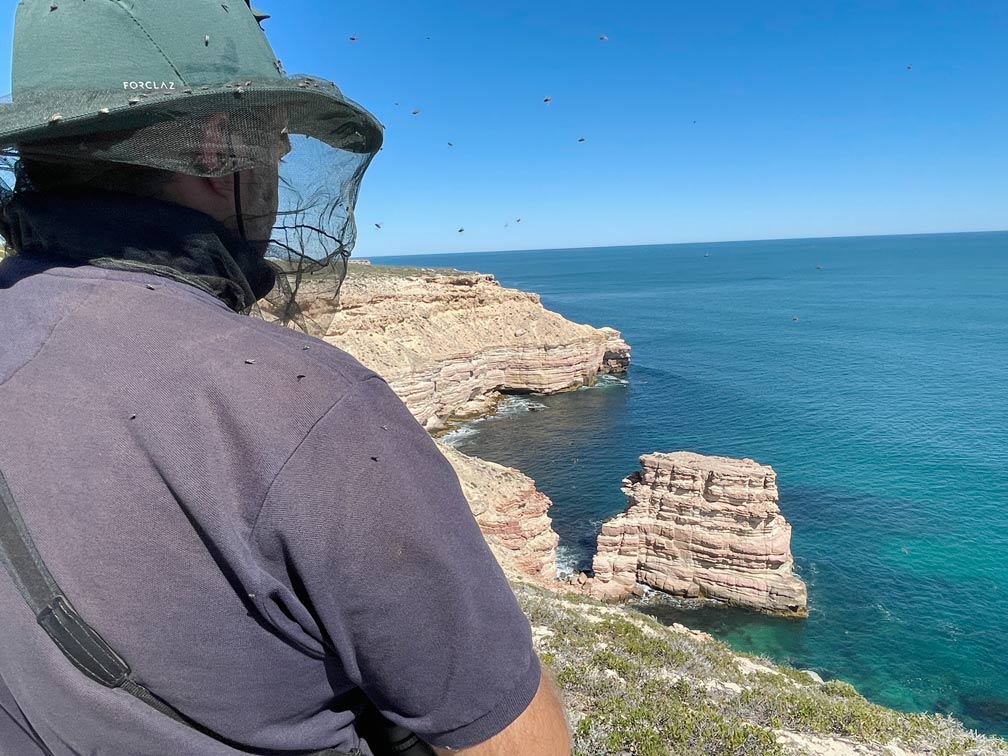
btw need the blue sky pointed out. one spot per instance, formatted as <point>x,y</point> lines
<point>702,121</point>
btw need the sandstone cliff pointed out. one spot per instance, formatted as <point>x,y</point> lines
<point>449,343</point>
<point>512,514</point>
<point>700,526</point>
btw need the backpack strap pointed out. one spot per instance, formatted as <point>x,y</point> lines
<point>78,641</point>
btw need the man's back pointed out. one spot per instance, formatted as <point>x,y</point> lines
<point>249,517</point>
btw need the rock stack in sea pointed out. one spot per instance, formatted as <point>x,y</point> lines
<point>699,526</point>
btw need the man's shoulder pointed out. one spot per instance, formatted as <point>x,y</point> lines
<point>201,323</point>
<point>272,361</point>
<point>281,345</point>
<point>196,343</point>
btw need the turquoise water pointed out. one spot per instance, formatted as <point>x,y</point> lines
<point>883,408</point>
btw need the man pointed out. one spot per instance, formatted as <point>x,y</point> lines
<point>242,515</point>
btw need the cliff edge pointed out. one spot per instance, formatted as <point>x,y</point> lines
<point>451,342</point>
<point>634,686</point>
<point>512,513</point>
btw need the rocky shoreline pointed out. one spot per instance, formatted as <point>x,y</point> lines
<point>452,344</point>
<point>513,515</point>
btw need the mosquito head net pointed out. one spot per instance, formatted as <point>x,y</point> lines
<point>295,147</point>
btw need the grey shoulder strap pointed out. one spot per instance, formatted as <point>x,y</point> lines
<point>78,641</point>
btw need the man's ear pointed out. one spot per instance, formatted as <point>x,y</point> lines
<point>214,155</point>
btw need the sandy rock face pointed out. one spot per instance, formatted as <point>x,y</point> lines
<point>449,342</point>
<point>700,526</point>
<point>512,514</point>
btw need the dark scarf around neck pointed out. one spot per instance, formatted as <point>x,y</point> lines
<point>115,230</point>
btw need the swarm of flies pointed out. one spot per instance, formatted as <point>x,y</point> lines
<point>546,100</point>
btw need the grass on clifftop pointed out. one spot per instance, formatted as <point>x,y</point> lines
<point>633,686</point>
<point>363,270</point>
<point>360,269</point>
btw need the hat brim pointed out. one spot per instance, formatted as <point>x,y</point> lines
<point>315,107</point>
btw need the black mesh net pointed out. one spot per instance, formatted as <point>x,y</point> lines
<point>314,233</point>
<point>301,159</point>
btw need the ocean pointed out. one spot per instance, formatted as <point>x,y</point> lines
<point>870,372</point>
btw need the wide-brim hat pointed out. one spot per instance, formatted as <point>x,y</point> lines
<point>193,87</point>
<point>83,67</point>
<point>315,107</point>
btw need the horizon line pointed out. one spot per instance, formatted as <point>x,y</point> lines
<point>685,244</point>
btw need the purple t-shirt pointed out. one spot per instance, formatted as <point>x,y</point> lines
<point>260,529</point>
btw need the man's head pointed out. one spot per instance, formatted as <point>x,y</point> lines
<point>252,192</point>
<point>123,96</point>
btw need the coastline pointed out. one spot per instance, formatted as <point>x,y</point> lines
<point>457,347</point>
<point>453,343</point>
<point>474,412</point>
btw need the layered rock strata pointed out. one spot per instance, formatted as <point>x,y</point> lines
<point>699,526</point>
<point>449,343</point>
<point>512,514</point>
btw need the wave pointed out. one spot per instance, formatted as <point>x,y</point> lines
<point>517,405</point>
<point>884,611</point>
<point>566,561</point>
<point>604,381</point>
<point>455,437</point>
<point>508,406</point>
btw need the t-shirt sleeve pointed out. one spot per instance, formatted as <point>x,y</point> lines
<point>369,518</point>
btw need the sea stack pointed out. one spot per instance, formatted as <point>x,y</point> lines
<point>699,526</point>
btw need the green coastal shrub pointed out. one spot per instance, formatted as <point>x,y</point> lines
<point>362,270</point>
<point>633,686</point>
<point>821,711</point>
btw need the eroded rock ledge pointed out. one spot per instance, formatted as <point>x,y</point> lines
<point>700,526</point>
<point>450,342</point>
<point>512,513</point>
